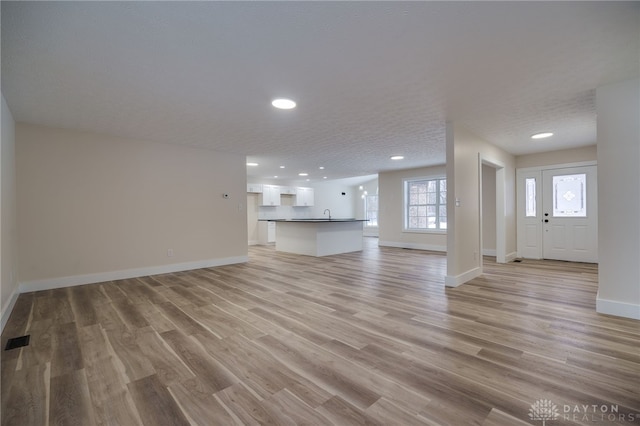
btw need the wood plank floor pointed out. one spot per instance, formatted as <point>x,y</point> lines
<point>364,338</point>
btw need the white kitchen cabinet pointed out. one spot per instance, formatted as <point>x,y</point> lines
<point>266,232</point>
<point>288,190</point>
<point>304,197</point>
<point>254,187</point>
<point>271,232</point>
<point>270,195</point>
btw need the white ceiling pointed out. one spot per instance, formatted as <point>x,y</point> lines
<point>371,79</point>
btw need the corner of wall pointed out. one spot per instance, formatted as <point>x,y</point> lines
<point>456,280</point>
<point>8,308</point>
<point>466,153</point>
<point>618,108</point>
<point>8,250</point>
<point>616,308</point>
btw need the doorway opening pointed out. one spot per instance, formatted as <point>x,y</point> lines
<point>492,210</point>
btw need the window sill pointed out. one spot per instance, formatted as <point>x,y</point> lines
<point>426,231</point>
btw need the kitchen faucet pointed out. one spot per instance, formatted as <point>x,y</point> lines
<point>325,212</point>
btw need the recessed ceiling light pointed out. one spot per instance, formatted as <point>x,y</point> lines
<point>308,180</point>
<point>324,177</point>
<point>283,103</point>
<point>276,177</point>
<point>542,135</point>
<point>252,164</point>
<point>397,157</point>
<point>282,167</point>
<point>321,167</point>
<point>303,174</point>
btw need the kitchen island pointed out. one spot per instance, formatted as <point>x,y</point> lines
<point>319,237</point>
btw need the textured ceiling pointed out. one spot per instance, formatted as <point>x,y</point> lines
<point>371,79</point>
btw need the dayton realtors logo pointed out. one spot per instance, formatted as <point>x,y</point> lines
<point>545,410</point>
<point>597,413</point>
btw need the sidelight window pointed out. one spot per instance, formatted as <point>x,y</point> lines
<point>530,198</point>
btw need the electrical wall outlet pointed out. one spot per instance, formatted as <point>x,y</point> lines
<point>169,252</point>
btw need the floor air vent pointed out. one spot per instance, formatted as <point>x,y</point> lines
<point>17,342</point>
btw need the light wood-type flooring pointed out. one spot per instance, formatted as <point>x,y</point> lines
<point>371,337</point>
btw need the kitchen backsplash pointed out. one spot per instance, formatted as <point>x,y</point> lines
<point>284,212</point>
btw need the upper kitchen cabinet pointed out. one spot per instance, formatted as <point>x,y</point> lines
<point>270,195</point>
<point>304,197</point>
<point>254,187</point>
<point>288,190</point>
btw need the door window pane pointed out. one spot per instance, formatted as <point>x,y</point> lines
<point>570,195</point>
<point>530,198</point>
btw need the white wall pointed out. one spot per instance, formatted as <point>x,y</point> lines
<point>391,211</point>
<point>465,152</point>
<point>8,253</point>
<point>328,195</point>
<point>618,109</point>
<point>94,207</point>
<point>564,156</point>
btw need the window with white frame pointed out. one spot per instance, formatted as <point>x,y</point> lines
<point>425,204</point>
<point>371,210</point>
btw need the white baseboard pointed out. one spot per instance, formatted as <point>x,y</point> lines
<point>8,308</point>
<point>455,281</point>
<point>509,257</point>
<point>253,242</point>
<point>619,309</point>
<point>415,246</point>
<point>51,283</point>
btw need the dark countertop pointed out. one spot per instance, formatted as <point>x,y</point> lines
<point>315,220</point>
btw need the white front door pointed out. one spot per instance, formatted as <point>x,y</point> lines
<point>569,214</point>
